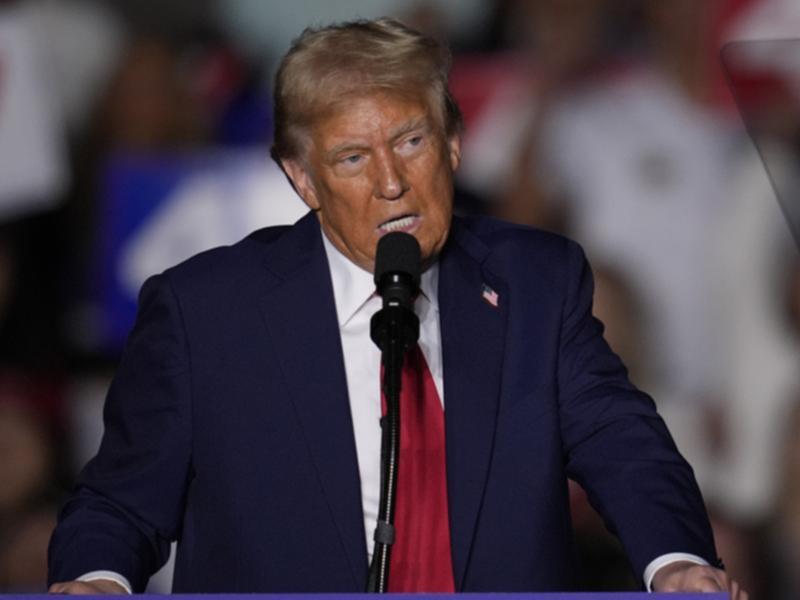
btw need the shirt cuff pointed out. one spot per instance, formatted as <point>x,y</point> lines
<point>109,576</point>
<point>663,561</point>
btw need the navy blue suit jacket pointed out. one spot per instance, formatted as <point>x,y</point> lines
<point>228,426</point>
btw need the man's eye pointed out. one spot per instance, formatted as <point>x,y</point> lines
<point>411,143</point>
<point>352,159</point>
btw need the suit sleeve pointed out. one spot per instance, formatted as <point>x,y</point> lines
<point>617,446</point>
<point>129,499</point>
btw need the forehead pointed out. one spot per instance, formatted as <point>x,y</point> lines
<point>371,117</point>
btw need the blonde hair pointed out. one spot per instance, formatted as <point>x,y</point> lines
<point>327,66</point>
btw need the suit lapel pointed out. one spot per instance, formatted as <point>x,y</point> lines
<point>298,308</point>
<point>473,340</point>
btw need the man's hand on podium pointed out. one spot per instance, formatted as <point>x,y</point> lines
<point>685,576</point>
<point>96,586</point>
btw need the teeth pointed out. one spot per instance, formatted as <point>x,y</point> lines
<point>397,224</point>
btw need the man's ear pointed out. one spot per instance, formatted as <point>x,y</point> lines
<point>454,151</point>
<point>300,178</point>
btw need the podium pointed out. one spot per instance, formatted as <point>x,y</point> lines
<point>487,596</point>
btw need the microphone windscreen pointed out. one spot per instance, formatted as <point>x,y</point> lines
<point>398,252</point>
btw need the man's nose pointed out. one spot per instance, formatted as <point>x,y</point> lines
<point>390,183</point>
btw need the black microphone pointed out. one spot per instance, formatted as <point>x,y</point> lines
<point>397,267</point>
<point>397,275</point>
<point>395,329</point>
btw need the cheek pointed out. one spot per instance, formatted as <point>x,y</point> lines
<point>351,218</point>
<point>340,202</point>
<point>441,196</point>
<point>432,173</point>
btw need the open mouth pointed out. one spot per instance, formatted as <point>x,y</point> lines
<point>404,223</point>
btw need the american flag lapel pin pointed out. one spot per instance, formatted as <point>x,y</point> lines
<point>490,296</point>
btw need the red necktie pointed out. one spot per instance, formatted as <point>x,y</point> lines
<point>421,560</point>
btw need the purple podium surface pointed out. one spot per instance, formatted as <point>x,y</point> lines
<point>540,596</point>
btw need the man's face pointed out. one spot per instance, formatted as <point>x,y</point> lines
<point>380,164</point>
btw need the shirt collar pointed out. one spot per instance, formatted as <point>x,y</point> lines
<point>353,287</point>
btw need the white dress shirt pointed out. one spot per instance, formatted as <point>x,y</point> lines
<point>356,302</point>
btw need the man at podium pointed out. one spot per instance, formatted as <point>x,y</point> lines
<point>245,418</point>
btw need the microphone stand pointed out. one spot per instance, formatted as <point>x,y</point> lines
<point>395,329</point>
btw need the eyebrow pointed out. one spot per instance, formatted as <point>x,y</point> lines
<point>418,123</point>
<point>405,128</point>
<point>344,148</point>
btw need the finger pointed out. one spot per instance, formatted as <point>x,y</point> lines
<point>723,579</point>
<point>708,583</point>
<point>64,587</point>
<point>68,587</point>
<point>737,592</point>
<point>77,588</point>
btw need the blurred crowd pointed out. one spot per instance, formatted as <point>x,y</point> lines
<point>663,135</point>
